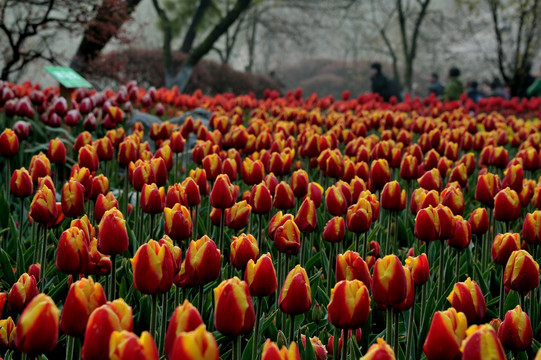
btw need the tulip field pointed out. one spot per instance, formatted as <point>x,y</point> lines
<point>287,227</point>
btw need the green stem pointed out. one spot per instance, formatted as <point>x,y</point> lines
<point>125,193</point>
<point>152,224</point>
<point>164,321</point>
<point>366,246</point>
<point>255,342</point>
<point>357,241</point>
<point>195,223</point>
<point>457,266</point>
<point>441,274</point>
<point>344,344</point>
<point>423,303</point>
<point>200,300</point>
<point>222,221</point>
<point>303,248</point>
<point>291,328</point>
<point>389,331</point>
<point>153,315</point>
<point>502,294</point>
<point>237,348</point>
<point>70,347</point>
<point>329,268</point>
<point>388,240</point>
<point>409,335</point>
<point>44,258</point>
<point>260,237</point>
<point>177,295</point>
<point>112,284</point>
<point>20,260</point>
<point>396,333</point>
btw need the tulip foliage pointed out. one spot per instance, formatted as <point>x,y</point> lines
<point>286,227</point>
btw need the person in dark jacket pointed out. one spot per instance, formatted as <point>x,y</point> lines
<point>435,86</point>
<point>473,91</point>
<point>454,87</point>
<point>380,83</point>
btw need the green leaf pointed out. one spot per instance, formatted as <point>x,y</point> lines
<point>247,354</point>
<point>7,270</point>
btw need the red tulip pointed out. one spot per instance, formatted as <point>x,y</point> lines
<point>261,276</point>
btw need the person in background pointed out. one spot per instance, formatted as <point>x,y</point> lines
<point>454,87</point>
<point>497,89</point>
<point>380,83</point>
<point>435,87</point>
<point>534,89</point>
<point>473,91</point>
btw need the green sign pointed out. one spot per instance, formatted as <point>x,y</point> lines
<point>67,77</point>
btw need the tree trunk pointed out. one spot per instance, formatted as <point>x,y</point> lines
<point>183,76</point>
<point>189,38</point>
<point>251,43</point>
<point>101,29</point>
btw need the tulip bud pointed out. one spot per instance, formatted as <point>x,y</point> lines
<point>112,233</point>
<point>252,172</point>
<point>502,247</point>
<point>389,281</point>
<point>467,297</point>
<point>57,151</point>
<point>73,199</point>
<point>351,266</point>
<point>237,216</point>
<point>380,174</point>
<point>191,189</point>
<point>142,173</point>
<point>185,318</point>
<point>482,343</point>
<point>22,292</point>
<point>462,237</point>
<point>7,333</point>
<point>431,180</point>
<point>272,351</point>
<point>153,268</point>
<point>349,305</point>
<point>9,143</point>
<point>410,297</point>
<point>260,199</point>
<point>276,221</point>
<point>176,194</point>
<point>506,205</point>
<point>284,198</point>
<point>127,152</point>
<point>515,332</point>
<point>21,183</point>
<point>379,351</point>
<point>37,328</point>
<point>427,224</point>
<point>531,228</point>
<point>212,164</point>
<point>287,238</point>
<point>479,221</point>
<point>104,203</point>
<point>72,256</point>
<point>299,183</point>
<point>521,272</point>
<point>420,269</point>
<point>40,166</point>
<point>335,230</point>
<point>359,216</point>
<point>223,194</point>
<point>408,168</point>
<point>88,157</point>
<point>200,178</point>
<point>445,335</point>
<point>83,297</point>
<point>306,218</point>
<point>124,345</point>
<point>152,199</point>
<point>195,345</point>
<point>296,294</point>
<point>488,185</point>
<point>453,198</point>
<point>392,198</point>
<point>261,276</point>
<point>178,222</point>
<point>513,178</point>
<point>233,311</point>
<point>319,349</point>
<point>202,262</point>
<point>43,207</point>
<point>243,249</point>
<point>112,316</point>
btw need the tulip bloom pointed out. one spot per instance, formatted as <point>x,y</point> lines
<point>380,174</point>
<point>243,249</point>
<point>351,266</point>
<point>315,192</point>
<point>260,199</point>
<point>467,297</point>
<point>88,158</point>
<point>73,199</point>
<point>72,255</point>
<point>296,294</point>
<point>335,201</point>
<point>21,183</point>
<point>22,292</point>
<point>513,177</point>
<point>515,332</point>
<point>237,216</point>
<point>7,333</point>
<point>83,297</point>
<point>462,237</point>
<point>427,224</point>
<point>195,345</point>
<point>9,143</point>
<point>349,305</point>
<point>531,228</point>
<point>252,172</point>
<point>37,328</point>
<point>152,199</point>
<point>127,152</point>
<point>482,343</point>
<point>191,192</point>
<point>488,185</point>
<point>261,276</point>
<point>185,318</point>
<point>233,310</point>
<point>153,268</point>
<point>359,216</point>
<point>271,351</point>
<point>521,272</point>
<point>389,281</point>
<point>57,151</point>
<point>212,164</point>
<point>202,262</point>
<point>306,218</point>
<point>502,247</point>
<point>112,233</point>
<point>506,205</point>
<point>223,194</point>
<point>200,177</point>
<point>379,351</point>
<point>299,183</point>
<point>40,166</point>
<point>479,221</point>
<point>445,335</point>
<point>104,203</point>
<point>287,238</point>
<point>420,269</point>
<point>276,221</point>
<point>392,198</point>
<point>43,207</point>
<point>283,196</point>
<point>335,230</point>
<point>125,345</point>
<point>178,222</point>
<point>112,316</point>
<point>453,198</point>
